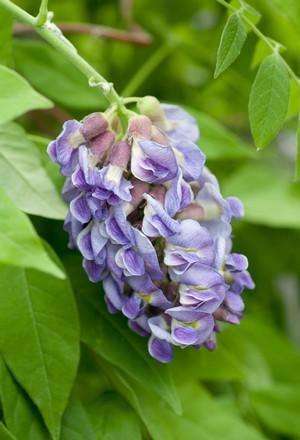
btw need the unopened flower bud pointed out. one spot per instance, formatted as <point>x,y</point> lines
<point>151,107</point>
<point>120,154</point>
<point>158,136</point>
<point>93,125</point>
<point>140,127</point>
<point>100,144</point>
<point>137,193</point>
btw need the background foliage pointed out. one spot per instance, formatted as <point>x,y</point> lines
<point>107,386</point>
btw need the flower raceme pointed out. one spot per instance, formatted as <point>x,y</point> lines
<point>150,222</point>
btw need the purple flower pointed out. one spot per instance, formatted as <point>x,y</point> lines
<point>239,278</point>
<point>192,333</point>
<point>153,162</point>
<point>114,293</point>
<point>151,223</point>
<point>157,221</point>
<point>178,196</point>
<point>160,349</point>
<point>205,300</point>
<point>183,126</point>
<point>190,245</point>
<point>63,150</point>
<point>190,159</point>
<point>114,187</point>
<point>73,227</point>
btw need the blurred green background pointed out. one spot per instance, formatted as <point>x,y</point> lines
<point>256,370</point>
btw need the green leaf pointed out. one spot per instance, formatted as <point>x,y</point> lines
<point>51,168</point>
<point>219,143</point>
<point>55,77</point>
<point>21,417</point>
<point>297,173</point>
<point>282,357</point>
<point>294,102</point>
<point>109,336</point>
<point>38,316</point>
<point>202,417</point>
<point>262,50</point>
<point>5,434</point>
<point>76,424</point>
<point>236,359</point>
<point>248,11</point>
<point>268,195</point>
<point>6,23</point>
<point>221,423</point>
<point>269,100</point>
<point>24,177</point>
<point>17,96</point>
<point>20,245</point>
<point>278,408</point>
<point>219,365</point>
<point>232,40</point>
<point>113,418</point>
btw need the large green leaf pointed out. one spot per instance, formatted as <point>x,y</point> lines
<point>269,100</point>
<point>219,143</point>
<point>236,359</point>
<point>278,408</point>
<point>51,168</point>
<point>21,417</point>
<point>232,40</point>
<point>17,96</point>
<point>38,317</point>
<point>202,417</point>
<point>20,245</point>
<point>76,424</point>
<point>55,77</point>
<point>282,357</point>
<point>24,177</point>
<point>268,195</point>
<point>220,365</point>
<point>109,336</point>
<point>113,418</point>
<point>221,423</point>
<point>5,434</point>
<point>6,22</point>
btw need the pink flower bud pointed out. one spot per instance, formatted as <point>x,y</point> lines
<point>101,144</point>
<point>139,127</point>
<point>120,154</point>
<point>93,125</point>
<point>158,136</point>
<point>138,190</point>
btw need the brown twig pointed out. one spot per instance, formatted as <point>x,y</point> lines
<point>135,36</point>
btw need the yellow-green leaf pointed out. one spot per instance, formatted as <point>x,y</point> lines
<point>269,99</point>
<point>17,96</point>
<point>232,40</point>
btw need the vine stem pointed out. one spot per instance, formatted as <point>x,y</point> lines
<point>261,36</point>
<point>52,34</point>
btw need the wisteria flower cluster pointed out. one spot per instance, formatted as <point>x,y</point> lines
<point>150,222</point>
